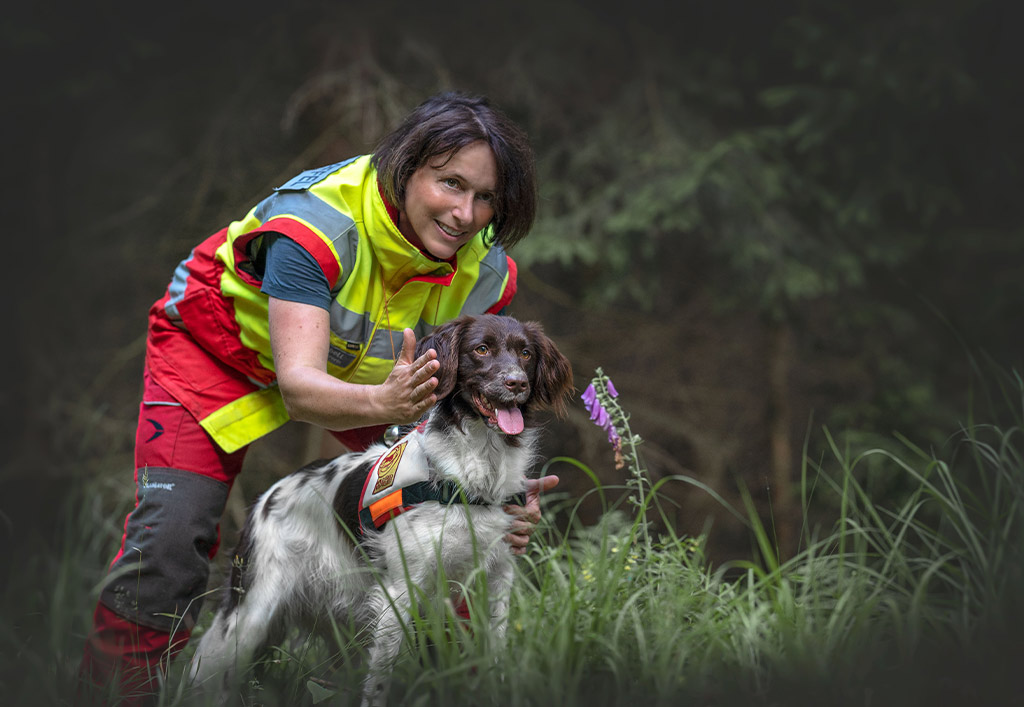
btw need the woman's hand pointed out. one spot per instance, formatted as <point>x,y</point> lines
<point>527,517</point>
<point>408,391</point>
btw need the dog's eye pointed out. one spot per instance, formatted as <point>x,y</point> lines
<point>482,349</point>
<point>525,354</point>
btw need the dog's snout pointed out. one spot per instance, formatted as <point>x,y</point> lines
<point>516,382</point>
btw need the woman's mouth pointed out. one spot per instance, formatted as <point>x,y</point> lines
<point>450,232</point>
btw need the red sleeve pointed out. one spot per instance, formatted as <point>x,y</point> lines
<point>510,288</point>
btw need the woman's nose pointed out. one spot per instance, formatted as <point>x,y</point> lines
<point>463,209</point>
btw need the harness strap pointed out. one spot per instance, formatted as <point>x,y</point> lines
<point>403,499</point>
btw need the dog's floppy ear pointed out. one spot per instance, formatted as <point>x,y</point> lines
<point>553,384</point>
<point>445,341</point>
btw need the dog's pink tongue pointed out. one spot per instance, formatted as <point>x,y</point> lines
<point>510,420</point>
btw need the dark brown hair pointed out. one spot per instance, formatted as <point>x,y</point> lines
<point>442,125</point>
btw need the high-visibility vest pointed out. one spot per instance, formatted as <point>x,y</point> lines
<point>380,284</point>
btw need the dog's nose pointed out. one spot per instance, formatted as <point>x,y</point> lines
<point>516,383</point>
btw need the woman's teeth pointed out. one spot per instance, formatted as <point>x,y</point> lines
<point>451,232</point>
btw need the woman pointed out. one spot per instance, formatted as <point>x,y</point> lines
<point>308,308</point>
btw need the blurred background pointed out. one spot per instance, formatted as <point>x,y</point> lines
<point>761,219</point>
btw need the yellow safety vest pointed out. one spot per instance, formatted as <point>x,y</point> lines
<point>380,284</point>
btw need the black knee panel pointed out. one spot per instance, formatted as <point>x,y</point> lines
<point>159,579</point>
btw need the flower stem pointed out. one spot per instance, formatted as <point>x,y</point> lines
<point>601,399</point>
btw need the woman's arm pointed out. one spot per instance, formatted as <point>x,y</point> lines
<point>300,339</point>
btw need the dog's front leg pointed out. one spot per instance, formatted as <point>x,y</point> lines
<point>499,586</point>
<point>392,610</point>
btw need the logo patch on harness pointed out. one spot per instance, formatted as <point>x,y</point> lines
<point>388,467</point>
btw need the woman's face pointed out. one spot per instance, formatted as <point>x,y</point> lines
<point>447,203</point>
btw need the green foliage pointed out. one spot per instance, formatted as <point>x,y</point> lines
<point>821,173</point>
<point>794,163</point>
<point>650,182</point>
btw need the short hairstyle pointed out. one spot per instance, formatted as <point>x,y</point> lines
<point>442,125</point>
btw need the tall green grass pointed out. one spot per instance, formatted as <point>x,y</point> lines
<point>912,600</point>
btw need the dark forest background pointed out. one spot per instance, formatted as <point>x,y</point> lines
<point>761,219</point>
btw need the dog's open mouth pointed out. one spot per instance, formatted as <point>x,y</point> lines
<point>507,419</point>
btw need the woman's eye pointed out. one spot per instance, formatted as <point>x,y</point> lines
<point>451,182</point>
<point>482,349</point>
<point>486,197</point>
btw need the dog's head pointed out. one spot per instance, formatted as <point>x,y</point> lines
<point>498,368</point>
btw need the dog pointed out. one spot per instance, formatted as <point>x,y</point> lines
<point>333,538</point>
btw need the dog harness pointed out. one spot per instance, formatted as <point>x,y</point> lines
<point>402,479</point>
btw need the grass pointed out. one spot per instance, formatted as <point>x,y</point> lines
<point>898,602</point>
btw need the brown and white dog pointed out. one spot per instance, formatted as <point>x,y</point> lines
<point>307,550</point>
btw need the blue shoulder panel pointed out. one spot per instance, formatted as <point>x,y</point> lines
<point>310,177</point>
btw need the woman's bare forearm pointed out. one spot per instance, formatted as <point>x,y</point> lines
<point>299,338</point>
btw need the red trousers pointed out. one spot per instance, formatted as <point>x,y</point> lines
<point>157,580</point>
<point>121,648</point>
<point>132,640</point>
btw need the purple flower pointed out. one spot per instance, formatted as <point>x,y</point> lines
<point>600,417</point>
<point>589,397</point>
<point>613,438</point>
<point>607,426</point>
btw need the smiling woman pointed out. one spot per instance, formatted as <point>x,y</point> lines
<point>436,132</point>
<point>448,201</point>
<point>307,308</point>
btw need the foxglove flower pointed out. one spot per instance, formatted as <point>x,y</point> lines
<point>589,398</point>
<point>600,399</point>
<point>599,415</point>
